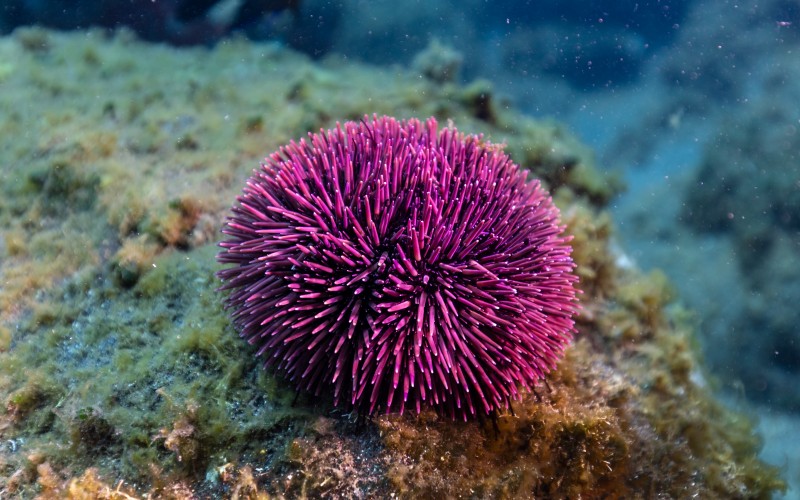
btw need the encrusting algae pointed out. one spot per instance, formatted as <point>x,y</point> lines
<point>121,376</point>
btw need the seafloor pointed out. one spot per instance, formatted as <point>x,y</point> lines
<point>121,376</point>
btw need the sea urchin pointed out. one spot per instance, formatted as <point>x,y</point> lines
<point>400,266</point>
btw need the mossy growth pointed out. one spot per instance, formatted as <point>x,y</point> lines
<point>479,99</point>
<point>60,184</point>
<point>133,259</point>
<point>36,393</point>
<point>621,416</point>
<point>119,366</point>
<point>553,446</point>
<point>627,412</point>
<point>596,266</point>
<point>562,162</point>
<point>92,431</point>
<point>123,381</point>
<point>5,338</point>
<point>174,223</point>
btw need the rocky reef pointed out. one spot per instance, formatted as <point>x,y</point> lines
<point>121,376</point>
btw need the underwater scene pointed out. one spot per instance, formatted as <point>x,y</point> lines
<point>426,249</point>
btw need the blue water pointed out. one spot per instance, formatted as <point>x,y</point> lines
<point>695,103</point>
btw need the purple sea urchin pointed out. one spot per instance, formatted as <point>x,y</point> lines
<point>400,266</point>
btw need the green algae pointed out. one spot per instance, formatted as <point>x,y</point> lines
<point>118,362</point>
<point>5,338</point>
<point>129,371</point>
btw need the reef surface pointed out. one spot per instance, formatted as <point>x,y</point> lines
<point>121,375</point>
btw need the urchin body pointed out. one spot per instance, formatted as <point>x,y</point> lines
<point>399,266</point>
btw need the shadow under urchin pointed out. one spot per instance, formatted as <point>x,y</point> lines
<point>398,266</point>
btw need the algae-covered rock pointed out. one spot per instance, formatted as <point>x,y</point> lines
<point>121,375</point>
